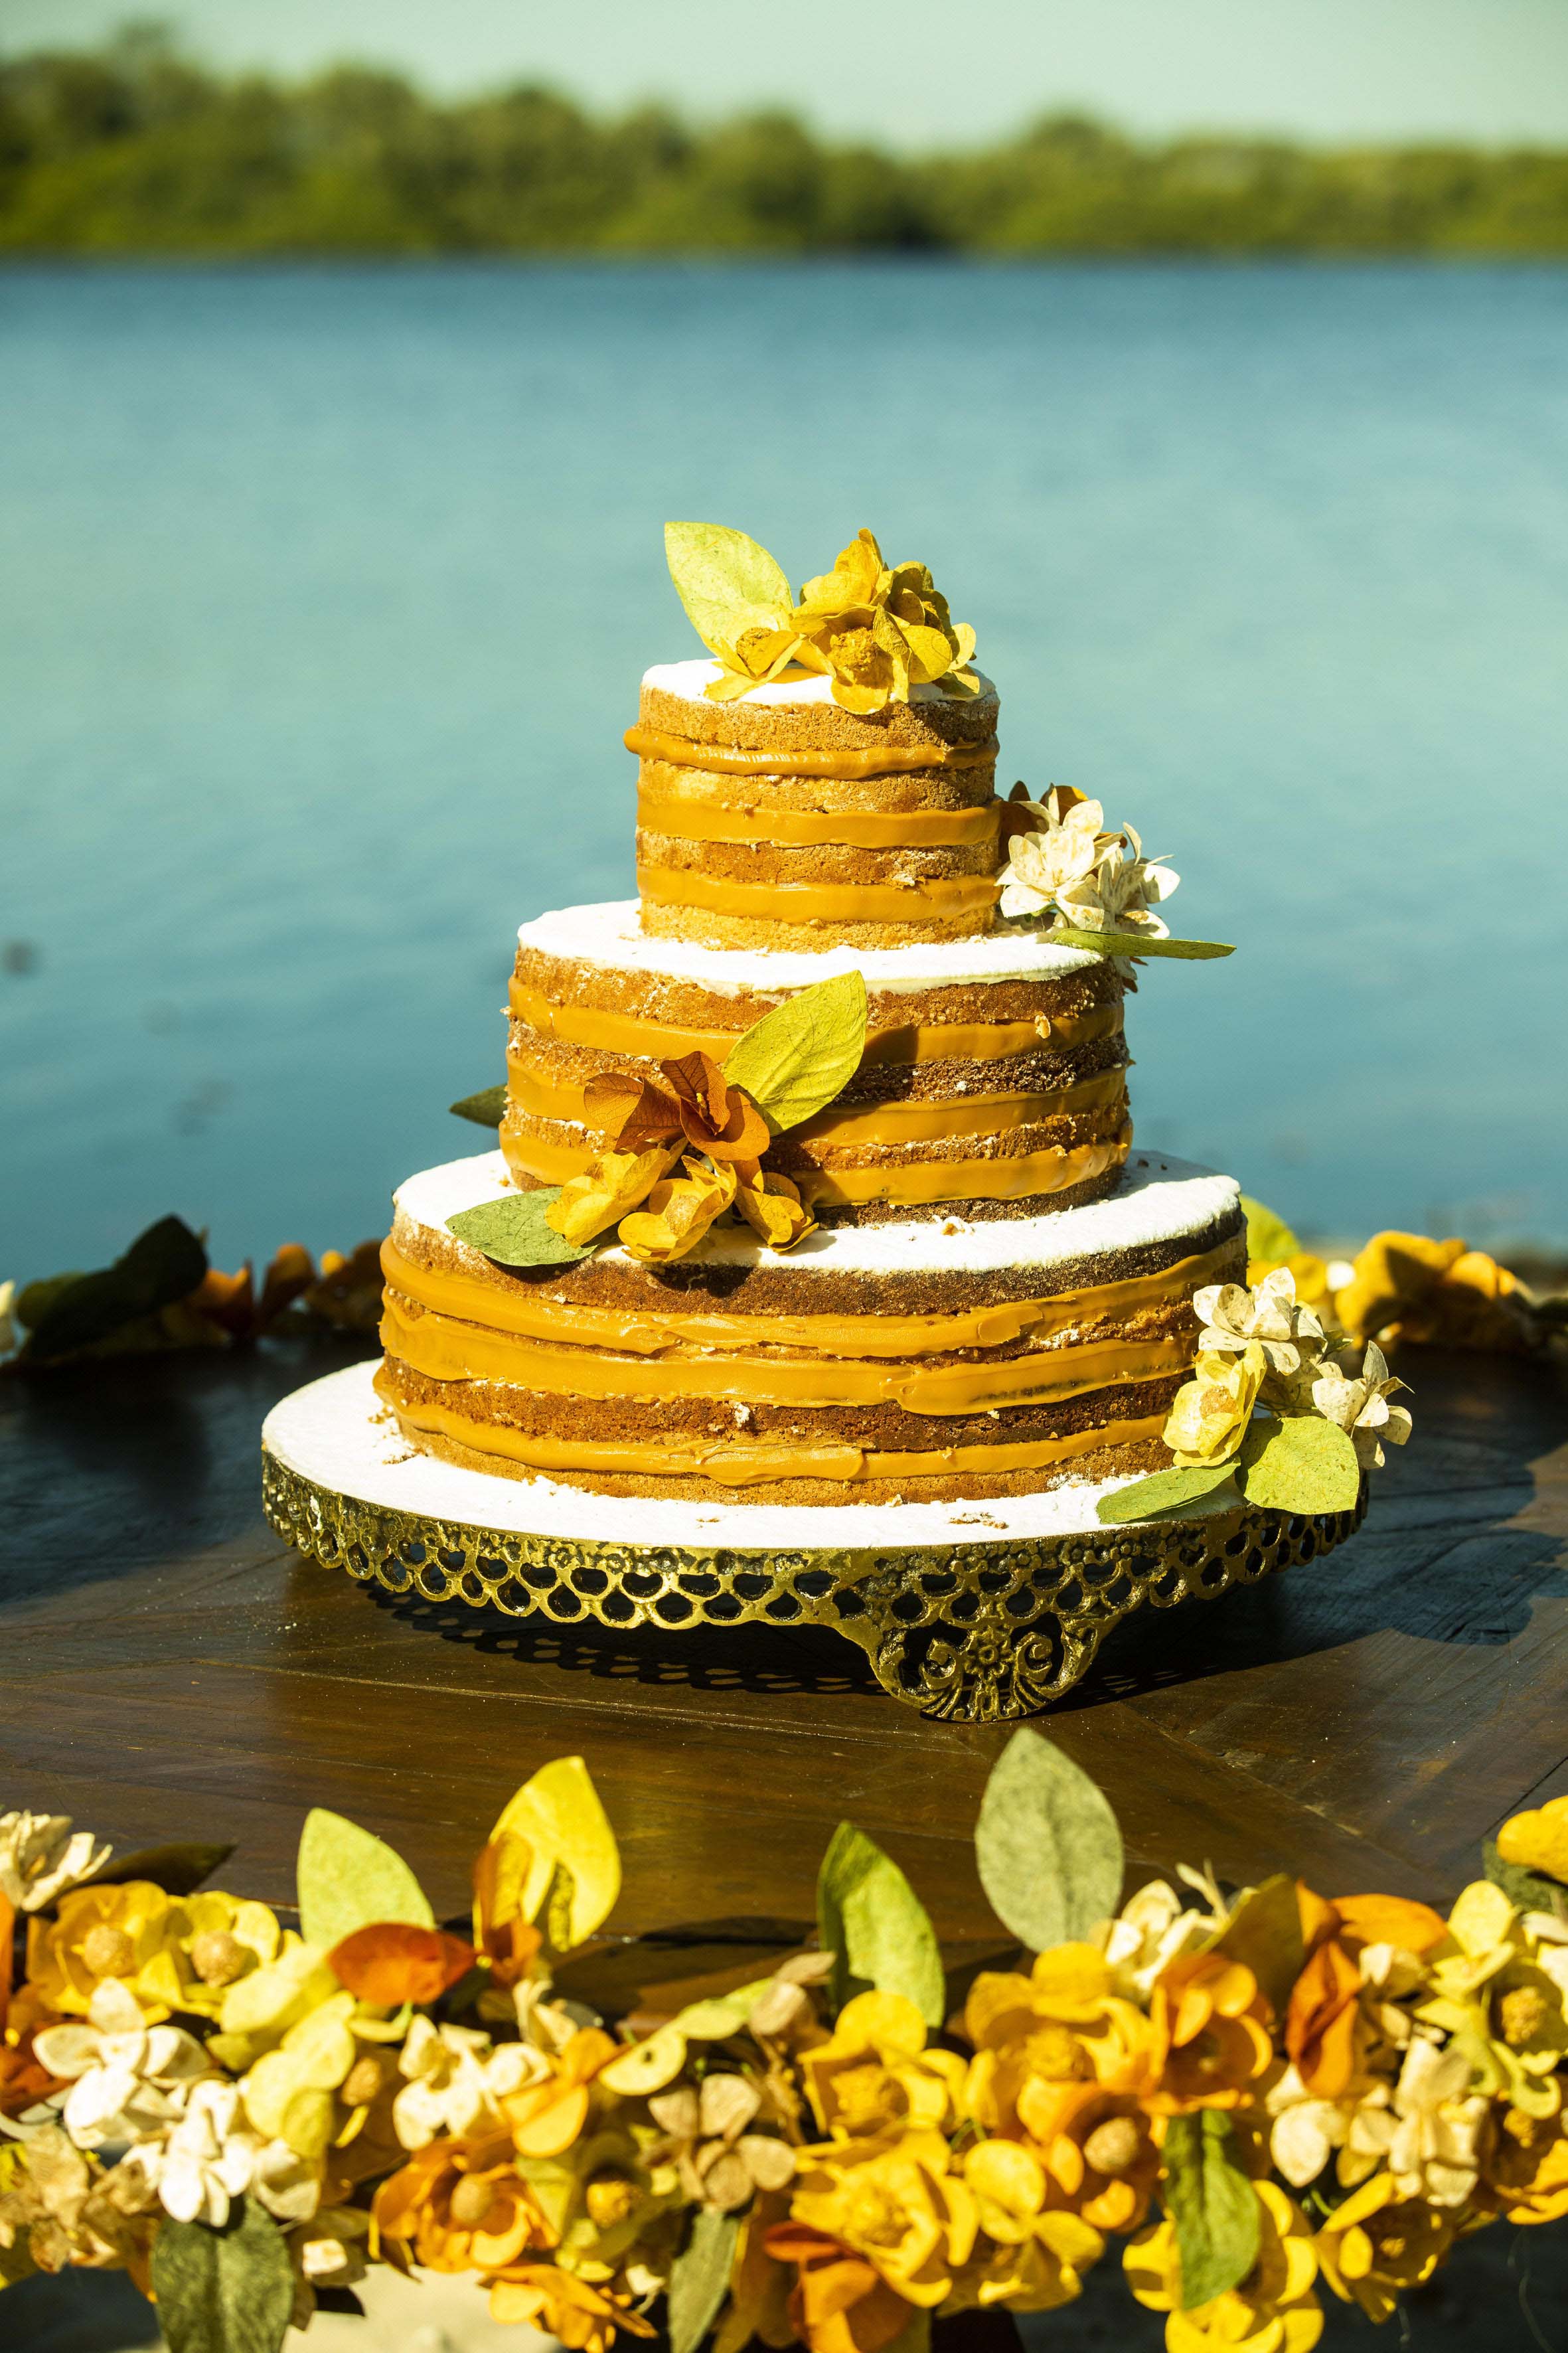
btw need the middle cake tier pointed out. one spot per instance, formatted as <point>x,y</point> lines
<point>994,1078</point>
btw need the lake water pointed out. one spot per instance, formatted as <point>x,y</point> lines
<point>327,591</point>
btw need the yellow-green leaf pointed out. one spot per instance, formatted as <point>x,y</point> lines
<point>348,1879</point>
<point>726,581</point>
<point>1264,1934</point>
<point>700,2279</point>
<point>1268,1236</point>
<point>1303,1464</point>
<point>1212,2203</point>
<point>796,1058</point>
<point>559,1814</point>
<point>1047,1845</point>
<point>513,1231</point>
<point>487,1109</point>
<point>1134,943</point>
<point>1165,1493</point>
<point>224,2291</point>
<point>875,1925</point>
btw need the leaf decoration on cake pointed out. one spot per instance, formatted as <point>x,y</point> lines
<point>513,1232</point>
<point>1135,944</point>
<point>1168,1491</point>
<point>1302,1464</point>
<point>737,599</point>
<point>1268,1237</point>
<point>486,1109</point>
<point>796,1058</point>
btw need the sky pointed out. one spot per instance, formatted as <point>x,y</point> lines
<point>922,72</point>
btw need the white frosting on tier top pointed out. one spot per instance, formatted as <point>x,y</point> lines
<point>610,933</point>
<point>688,679</point>
<point>1157,1199</point>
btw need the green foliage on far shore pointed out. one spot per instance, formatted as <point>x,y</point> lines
<point>134,151</point>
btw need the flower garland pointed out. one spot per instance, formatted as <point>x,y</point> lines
<point>1262,2094</point>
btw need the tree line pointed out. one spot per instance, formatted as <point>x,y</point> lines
<point>134,149</point>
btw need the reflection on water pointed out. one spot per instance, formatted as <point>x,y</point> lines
<point>329,590</point>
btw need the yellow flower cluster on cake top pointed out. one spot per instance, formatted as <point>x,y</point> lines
<point>817,1180</point>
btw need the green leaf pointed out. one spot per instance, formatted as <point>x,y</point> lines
<point>485,1109</point>
<point>1264,1934</point>
<point>513,1233</point>
<point>872,1922</point>
<point>1300,1465</point>
<point>1530,1890</point>
<point>1268,1236</point>
<point>178,1870</point>
<point>796,1058</point>
<point>726,581</point>
<point>1212,2203</point>
<point>1165,1492</point>
<point>1134,943</point>
<point>700,2279</point>
<point>349,1880</point>
<point>1047,1845</point>
<point>162,1265</point>
<point>229,2291</point>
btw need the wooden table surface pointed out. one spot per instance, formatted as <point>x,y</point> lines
<point>169,1667</point>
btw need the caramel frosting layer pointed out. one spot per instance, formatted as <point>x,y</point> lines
<point>879,760</point>
<point>686,818</point>
<point>946,899</point>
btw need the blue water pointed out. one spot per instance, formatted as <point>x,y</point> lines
<point>326,593</point>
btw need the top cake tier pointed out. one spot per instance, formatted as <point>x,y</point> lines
<point>781,821</point>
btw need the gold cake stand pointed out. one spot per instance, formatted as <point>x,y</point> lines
<point>977,1627</point>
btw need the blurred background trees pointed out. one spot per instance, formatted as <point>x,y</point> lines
<point>135,150</point>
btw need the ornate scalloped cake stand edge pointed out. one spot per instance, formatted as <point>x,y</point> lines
<point>978,1627</point>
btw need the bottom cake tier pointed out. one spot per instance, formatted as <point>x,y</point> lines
<point>914,1362</point>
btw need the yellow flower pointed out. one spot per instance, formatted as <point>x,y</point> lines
<point>1273,2310</point>
<point>1062,2025</point>
<point>578,2315</point>
<point>457,2206</point>
<point>679,1211</point>
<point>894,2201</point>
<point>773,1207</point>
<point>547,2117</point>
<point>1027,2257</point>
<point>1538,1841</point>
<point>1099,2149</point>
<point>217,1939</point>
<point>1212,2042</point>
<point>259,2009</point>
<point>289,2093</point>
<point>1377,2244</point>
<point>1439,1293</point>
<point>1525,2168</point>
<point>880,630</point>
<point>876,2075</point>
<point>601,1197</point>
<point>1497,1989</point>
<point>1209,1416</point>
<point>99,1933</point>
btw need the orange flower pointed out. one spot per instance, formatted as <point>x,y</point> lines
<point>546,2117</point>
<point>560,2305</point>
<point>839,2305</point>
<point>1526,2167</point>
<point>712,1116</point>
<point>501,1933</point>
<point>1099,2153</point>
<point>1211,2035</point>
<point>1060,2025</point>
<point>457,2206</point>
<point>1322,2019</point>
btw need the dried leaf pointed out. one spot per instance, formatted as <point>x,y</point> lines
<point>162,1265</point>
<point>1530,1890</point>
<point>487,1109</point>
<point>700,2279</point>
<point>1047,1845</point>
<point>727,583</point>
<point>1264,1934</point>
<point>1165,1493</point>
<point>348,1879</point>
<point>178,1870</point>
<point>513,1232</point>
<point>1212,2203</point>
<point>1134,943</point>
<point>1268,1236</point>
<point>796,1058</point>
<point>559,1813</point>
<point>647,2066</point>
<point>1301,1464</point>
<point>391,1962</point>
<point>870,1919</point>
<point>224,2291</point>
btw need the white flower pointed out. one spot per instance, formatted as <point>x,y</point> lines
<point>1306,2130</point>
<point>1064,846</point>
<point>1151,1930</point>
<point>1360,1406</point>
<point>207,2159</point>
<point>457,2078</point>
<point>1432,2150</point>
<point>1120,891</point>
<point>40,1854</point>
<point>126,2079</point>
<point>1289,1335</point>
<point>10,1330</point>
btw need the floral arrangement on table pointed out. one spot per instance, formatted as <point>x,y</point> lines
<point>1261,2092</point>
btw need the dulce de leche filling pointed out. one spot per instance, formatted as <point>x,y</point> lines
<point>741,1463</point>
<point>695,820</point>
<point>943,899</point>
<point>878,760</point>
